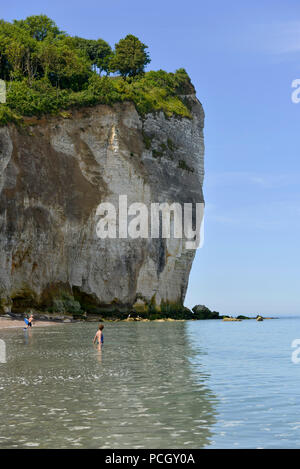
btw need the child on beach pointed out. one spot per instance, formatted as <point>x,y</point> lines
<point>99,335</point>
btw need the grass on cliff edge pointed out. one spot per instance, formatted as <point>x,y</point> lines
<point>153,91</point>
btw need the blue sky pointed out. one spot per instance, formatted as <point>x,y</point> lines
<point>242,58</point>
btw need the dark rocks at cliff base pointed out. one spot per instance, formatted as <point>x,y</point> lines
<point>202,312</point>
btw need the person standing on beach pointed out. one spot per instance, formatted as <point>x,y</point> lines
<point>99,336</point>
<point>29,321</point>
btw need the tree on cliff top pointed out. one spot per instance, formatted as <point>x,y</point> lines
<point>130,57</point>
<point>97,51</point>
<point>48,70</point>
<point>39,26</point>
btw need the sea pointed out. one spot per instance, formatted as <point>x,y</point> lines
<point>186,384</point>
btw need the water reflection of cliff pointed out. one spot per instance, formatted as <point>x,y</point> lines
<point>166,392</point>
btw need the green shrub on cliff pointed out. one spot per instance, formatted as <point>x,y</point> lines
<point>66,304</point>
<point>7,115</point>
<point>47,71</point>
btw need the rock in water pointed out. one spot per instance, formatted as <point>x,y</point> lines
<point>202,312</point>
<point>231,319</point>
<point>54,172</point>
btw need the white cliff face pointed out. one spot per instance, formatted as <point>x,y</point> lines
<point>53,176</point>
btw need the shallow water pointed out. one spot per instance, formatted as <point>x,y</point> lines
<point>196,384</point>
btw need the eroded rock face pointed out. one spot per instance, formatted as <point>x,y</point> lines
<point>53,175</point>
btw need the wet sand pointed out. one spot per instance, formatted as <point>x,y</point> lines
<point>6,323</point>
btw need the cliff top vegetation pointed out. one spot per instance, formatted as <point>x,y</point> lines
<point>47,71</point>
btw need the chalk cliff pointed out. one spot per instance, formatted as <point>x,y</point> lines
<point>55,171</point>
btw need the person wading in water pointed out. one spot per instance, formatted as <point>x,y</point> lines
<point>99,336</point>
